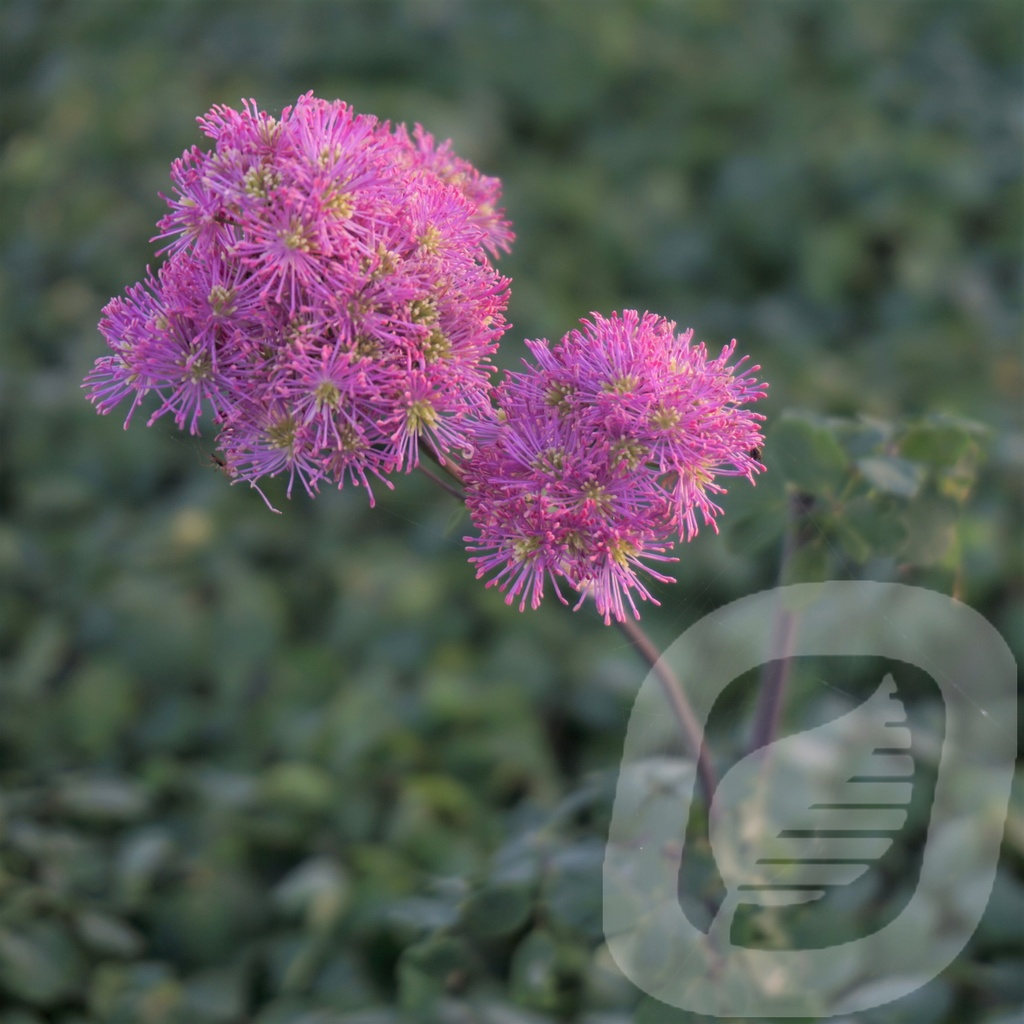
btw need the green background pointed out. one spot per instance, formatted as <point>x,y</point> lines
<point>276,768</point>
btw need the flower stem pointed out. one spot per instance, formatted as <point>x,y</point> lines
<point>680,704</point>
<point>443,484</point>
<point>775,673</point>
<point>449,465</point>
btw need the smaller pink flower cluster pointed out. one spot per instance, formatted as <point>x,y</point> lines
<point>328,296</point>
<point>605,451</point>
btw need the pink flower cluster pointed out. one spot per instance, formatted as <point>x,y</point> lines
<point>328,296</point>
<point>605,451</point>
<point>329,299</point>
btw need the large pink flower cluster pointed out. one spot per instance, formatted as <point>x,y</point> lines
<point>328,296</point>
<point>605,452</point>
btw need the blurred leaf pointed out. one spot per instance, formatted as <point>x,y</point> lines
<point>318,889</point>
<point>807,454</point>
<point>930,523</point>
<point>298,785</point>
<point>498,908</point>
<point>870,526</point>
<point>99,703</point>
<point>892,475</point>
<point>430,968</point>
<point>103,799</point>
<point>809,563</point>
<point>143,853</point>
<point>108,936</point>
<point>40,964</point>
<point>214,997</point>
<point>38,657</point>
<point>144,992</point>
<point>571,892</point>
<point>544,973</point>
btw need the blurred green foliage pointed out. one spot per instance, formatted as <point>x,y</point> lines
<point>304,769</point>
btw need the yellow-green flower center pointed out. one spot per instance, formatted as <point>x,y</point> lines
<point>200,368</point>
<point>525,548</point>
<point>423,311</point>
<point>419,416</point>
<point>296,236</point>
<point>598,494</point>
<point>665,417</point>
<point>260,181</point>
<point>349,440</point>
<point>550,460</point>
<point>282,433</point>
<point>366,347</point>
<point>557,396</point>
<point>340,204</point>
<point>430,240</point>
<point>623,385</point>
<point>621,551</point>
<point>327,394</point>
<point>221,300</point>
<point>628,453</point>
<point>436,346</point>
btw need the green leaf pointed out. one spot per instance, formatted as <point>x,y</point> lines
<point>808,564</point>
<point>807,455</point>
<point>39,964</point>
<point>142,855</point>
<point>892,475</point>
<point>99,702</point>
<point>439,955</point>
<point>498,908</point>
<point>862,436</point>
<point>134,992</point>
<point>108,936</point>
<point>930,523</point>
<point>318,888</point>
<point>103,799</point>
<point>214,997</point>
<point>942,440</point>
<point>544,973</point>
<point>572,887</point>
<point>868,526</point>
<point>429,968</point>
<point>298,785</point>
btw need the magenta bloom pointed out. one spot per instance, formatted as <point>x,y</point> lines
<point>328,296</point>
<point>606,451</point>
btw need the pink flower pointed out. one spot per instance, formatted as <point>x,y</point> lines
<point>607,450</point>
<point>328,296</point>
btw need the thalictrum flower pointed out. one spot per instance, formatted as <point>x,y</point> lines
<point>605,452</point>
<point>327,296</point>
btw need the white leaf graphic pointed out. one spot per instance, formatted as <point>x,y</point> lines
<point>811,811</point>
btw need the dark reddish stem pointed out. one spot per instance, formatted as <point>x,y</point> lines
<point>680,704</point>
